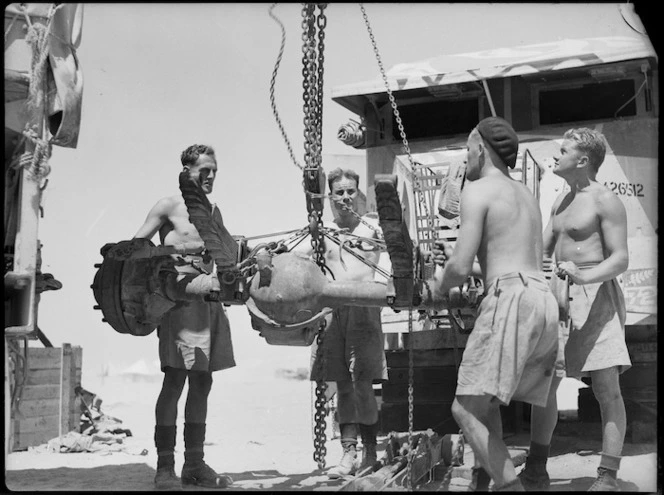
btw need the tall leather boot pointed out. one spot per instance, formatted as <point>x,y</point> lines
<point>164,440</point>
<point>195,471</point>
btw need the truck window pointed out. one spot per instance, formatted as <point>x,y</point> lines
<point>590,101</point>
<point>436,119</point>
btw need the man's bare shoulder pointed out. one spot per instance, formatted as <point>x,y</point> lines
<point>605,199</point>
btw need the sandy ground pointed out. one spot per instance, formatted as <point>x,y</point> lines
<point>259,432</point>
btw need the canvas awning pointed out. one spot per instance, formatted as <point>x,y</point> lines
<point>628,43</point>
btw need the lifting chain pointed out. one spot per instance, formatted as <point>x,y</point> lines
<point>411,451</point>
<point>457,460</point>
<point>313,182</point>
<point>417,186</point>
<point>417,189</point>
<point>320,437</point>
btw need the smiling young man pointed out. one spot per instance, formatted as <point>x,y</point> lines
<point>194,338</point>
<point>587,234</point>
<point>511,352</point>
<point>353,355</point>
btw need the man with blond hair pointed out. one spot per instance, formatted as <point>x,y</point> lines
<point>587,235</point>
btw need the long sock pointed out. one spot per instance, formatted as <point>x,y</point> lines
<point>538,454</point>
<point>369,433</point>
<point>611,463</point>
<point>348,435</point>
<point>164,441</point>
<point>194,437</point>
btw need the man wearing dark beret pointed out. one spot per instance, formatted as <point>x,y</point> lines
<point>512,349</point>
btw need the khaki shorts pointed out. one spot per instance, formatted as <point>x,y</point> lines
<point>353,347</point>
<point>511,352</point>
<point>594,338</point>
<point>195,335</point>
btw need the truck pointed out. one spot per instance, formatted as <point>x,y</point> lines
<point>43,97</point>
<point>607,83</point>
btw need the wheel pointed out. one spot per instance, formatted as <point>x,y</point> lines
<point>449,448</point>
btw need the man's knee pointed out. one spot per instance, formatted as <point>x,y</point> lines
<point>200,382</point>
<point>606,386</point>
<point>174,379</point>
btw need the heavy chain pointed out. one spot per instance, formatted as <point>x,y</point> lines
<point>409,480</point>
<point>417,186</point>
<point>349,209</point>
<point>312,94</point>
<point>320,437</point>
<point>456,460</point>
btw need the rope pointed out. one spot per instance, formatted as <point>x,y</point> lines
<point>272,85</point>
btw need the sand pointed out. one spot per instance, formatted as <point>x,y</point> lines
<point>260,433</point>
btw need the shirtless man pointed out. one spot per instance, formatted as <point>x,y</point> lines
<point>511,352</point>
<point>353,351</point>
<point>194,339</point>
<point>587,234</point>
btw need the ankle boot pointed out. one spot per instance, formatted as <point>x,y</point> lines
<point>348,464</point>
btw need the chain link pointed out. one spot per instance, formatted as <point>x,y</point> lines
<point>312,94</point>
<point>409,480</point>
<point>415,175</point>
<point>456,460</point>
<point>320,437</point>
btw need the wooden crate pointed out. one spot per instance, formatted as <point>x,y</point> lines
<point>48,406</point>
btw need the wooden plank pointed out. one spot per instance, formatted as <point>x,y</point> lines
<point>41,392</point>
<point>64,389</point>
<point>74,404</point>
<point>46,358</point>
<point>43,377</point>
<point>435,339</point>
<point>642,352</point>
<point>40,423</point>
<point>38,407</point>
<point>423,358</point>
<point>23,440</point>
<point>639,375</point>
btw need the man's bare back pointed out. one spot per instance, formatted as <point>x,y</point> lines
<point>511,239</point>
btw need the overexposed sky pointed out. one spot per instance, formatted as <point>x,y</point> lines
<point>159,77</point>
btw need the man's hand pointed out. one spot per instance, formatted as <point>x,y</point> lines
<point>571,270</point>
<point>442,251</point>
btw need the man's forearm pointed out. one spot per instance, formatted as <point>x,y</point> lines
<point>450,276</point>
<point>608,269</point>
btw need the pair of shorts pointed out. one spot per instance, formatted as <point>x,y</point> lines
<point>511,352</point>
<point>594,337</point>
<point>353,347</point>
<point>195,335</point>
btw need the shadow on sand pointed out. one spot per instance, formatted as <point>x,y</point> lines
<point>115,477</point>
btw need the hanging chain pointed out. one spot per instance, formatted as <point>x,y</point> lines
<point>456,460</point>
<point>320,437</point>
<point>417,186</point>
<point>272,84</point>
<point>409,480</point>
<point>312,72</point>
<point>350,210</point>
